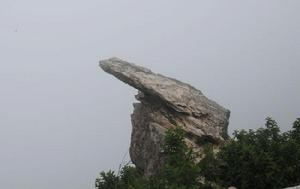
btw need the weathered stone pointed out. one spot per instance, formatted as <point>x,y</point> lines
<point>295,187</point>
<point>166,103</point>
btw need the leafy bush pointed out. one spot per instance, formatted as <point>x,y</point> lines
<point>179,171</point>
<point>262,158</point>
<point>129,178</point>
<point>265,158</point>
<point>107,180</point>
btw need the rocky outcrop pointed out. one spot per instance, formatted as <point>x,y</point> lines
<point>166,103</point>
<point>296,187</point>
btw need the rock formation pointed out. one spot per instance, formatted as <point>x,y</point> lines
<point>296,187</point>
<point>166,103</point>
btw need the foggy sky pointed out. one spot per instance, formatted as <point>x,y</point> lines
<point>63,120</point>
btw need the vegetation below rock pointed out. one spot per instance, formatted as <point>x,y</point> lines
<point>262,158</point>
<point>265,158</point>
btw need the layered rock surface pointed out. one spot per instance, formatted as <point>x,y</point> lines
<point>166,103</point>
<point>296,187</point>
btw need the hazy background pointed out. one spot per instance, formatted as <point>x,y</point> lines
<point>63,120</point>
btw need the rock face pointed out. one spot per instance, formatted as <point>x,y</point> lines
<point>166,103</point>
<point>296,187</point>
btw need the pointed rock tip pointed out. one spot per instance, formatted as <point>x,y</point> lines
<point>110,60</point>
<point>116,63</point>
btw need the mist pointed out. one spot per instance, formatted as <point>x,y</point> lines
<point>63,120</point>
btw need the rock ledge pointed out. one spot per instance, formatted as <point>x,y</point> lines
<point>164,103</point>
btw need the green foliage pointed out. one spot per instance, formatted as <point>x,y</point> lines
<point>209,166</point>
<point>295,133</point>
<point>129,178</point>
<point>262,158</point>
<point>265,158</point>
<point>180,169</point>
<point>107,181</point>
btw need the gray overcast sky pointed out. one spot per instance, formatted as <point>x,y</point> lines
<point>63,120</point>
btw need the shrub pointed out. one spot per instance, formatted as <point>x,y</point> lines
<point>107,181</point>
<point>265,158</point>
<point>179,171</point>
<point>262,158</point>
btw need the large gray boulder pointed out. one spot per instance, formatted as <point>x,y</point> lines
<point>166,103</point>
